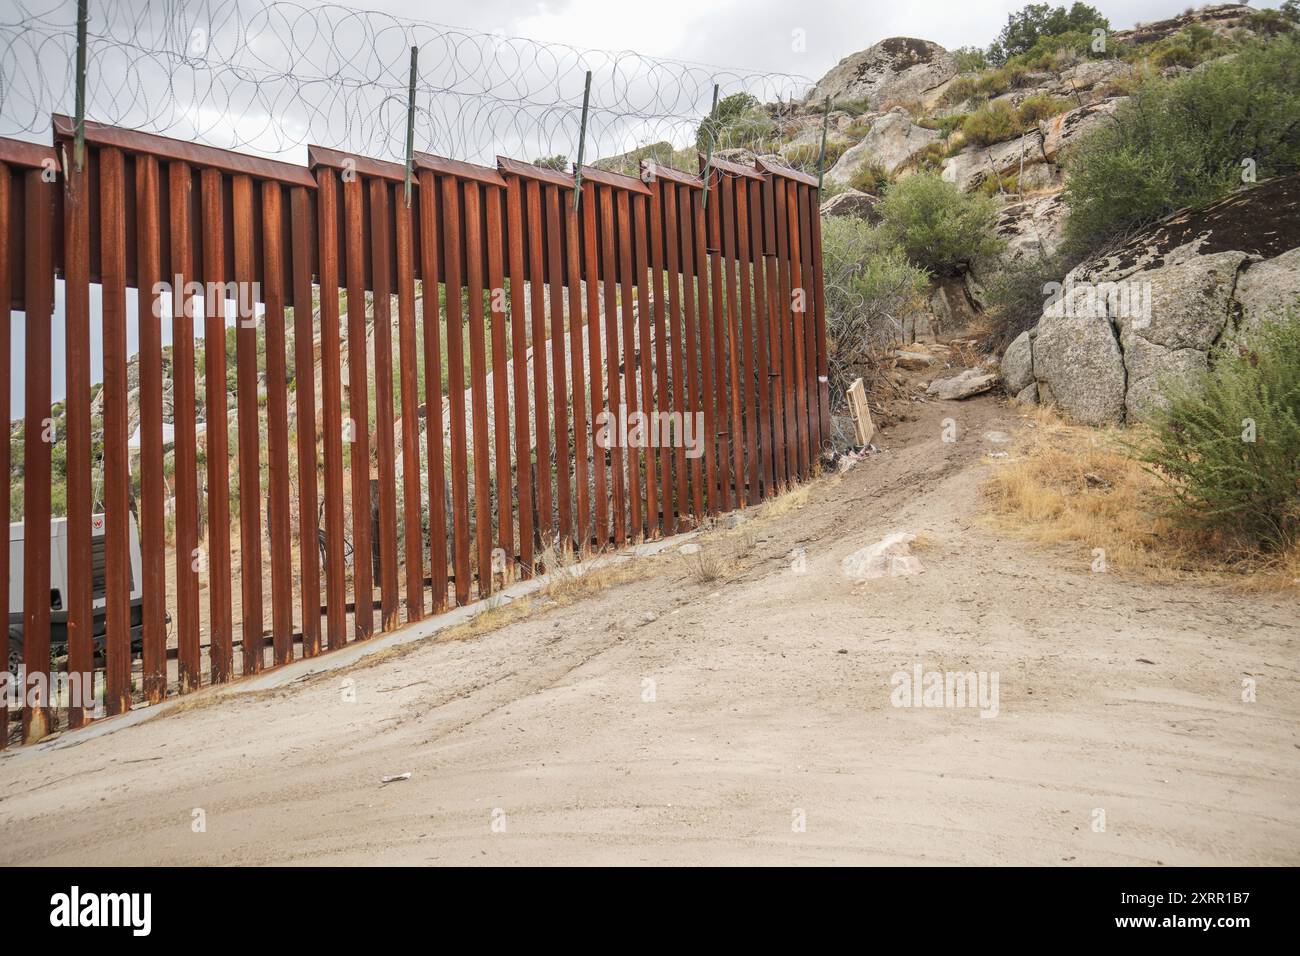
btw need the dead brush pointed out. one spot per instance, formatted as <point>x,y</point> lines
<point>707,566</point>
<point>1078,486</point>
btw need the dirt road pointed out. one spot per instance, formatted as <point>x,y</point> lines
<point>745,720</point>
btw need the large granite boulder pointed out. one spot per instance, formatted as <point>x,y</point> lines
<point>1154,309</point>
<point>896,70</point>
<point>890,142</point>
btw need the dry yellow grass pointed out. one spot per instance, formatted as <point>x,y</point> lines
<point>1071,484</point>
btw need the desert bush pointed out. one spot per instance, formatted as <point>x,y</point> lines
<point>938,227</point>
<point>960,90</point>
<point>1228,444</point>
<point>558,162</point>
<point>1182,142</point>
<point>872,292</point>
<point>970,58</point>
<point>1039,107</point>
<point>737,120</point>
<point>870,178</point>
<point>991,124</point>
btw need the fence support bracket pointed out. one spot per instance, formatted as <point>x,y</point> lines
<point>582,144</point>
<point>410,123</point>
<point>708,156</point>
<point>79,147</point>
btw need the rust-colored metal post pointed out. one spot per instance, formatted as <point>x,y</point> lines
<point>495,239</point>
<point>6,363</point>
<point>249,442</point>
<point>595,396</point>
<point>76,308</point>
<point>189,663</point>
<point>358,430</point>
<point>385,440</point>
<point>646,346</point>
<point>478,387</point>
<point>580,433</point>
<point>117,473</point>
<point>519,369</point>
<point>407,352</point>
<point>304,364</point>
<point>153,554</point>
<point>327,210</point>
<point>38,289</point>
<point>627,388</point>
<point>541,401</point>
<point>430,266</point>
<point>277,422</point>
<point>456,386</point>
<point>559,376</point>
<point>216,433</point>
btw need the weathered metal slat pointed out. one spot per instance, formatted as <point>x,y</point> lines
<point>559,375</point>
<point>216,435</point>
<point>180,198</point>
<point>611,288</point>
<point>819,288</point>
<point>7,189</point>
<point>573,246</point>
<point>357,432</point>
<point>661,403</point>
<point>748,325</point>
<point>738,367</point>
<point>545,523</point>
<point>789,226</point>
<point>304,374</point>
<point>591,250</point>
<point>519,369</point>
<point>811,390</point>
<point>706,398</point>
<point>76,273</point>
<point>249,442</point>
<point>772,331</point>
<point>495,237</point>
<point>430,267</point>
<point>718,389</point>
<point>38,288</point>
<point>692,401</point>
<point>478,387</point>
<point>645,348</point>
<point>408,377</point>
<point>626,390</point>
<point>148,259</point>
<point>451,245</point>
<point>673,272</point>
<point>327,238</point>
<point>118,572</point>
<point>277,422</point>
<point>385,451</point>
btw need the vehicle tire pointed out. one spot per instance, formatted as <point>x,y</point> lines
<point>15,658</point>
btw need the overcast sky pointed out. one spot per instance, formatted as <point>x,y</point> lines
<point>756,34</point>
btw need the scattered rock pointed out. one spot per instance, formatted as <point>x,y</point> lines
<point>970,382</point>
<point>689,548</point>
<point>1018,365</point>
<point>914,361</point>
<point>890,557</point>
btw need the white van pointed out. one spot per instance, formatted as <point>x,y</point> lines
<point>59,587</point>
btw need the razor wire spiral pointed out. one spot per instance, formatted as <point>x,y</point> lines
<point>270,78</point>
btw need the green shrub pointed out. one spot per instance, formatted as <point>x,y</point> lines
<point>960,90</point>
<point>936,225</point>
<point>991,124</point>
<point>1180,143</point>
<point>1228,445</point>
<point>872,291</point>
<point>557,162</point>
<point>1039,107</point>
<point>870,178</point>
<point>737,120</point>
<point>970,58</point>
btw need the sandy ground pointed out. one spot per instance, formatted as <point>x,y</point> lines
<point>769,734</point>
